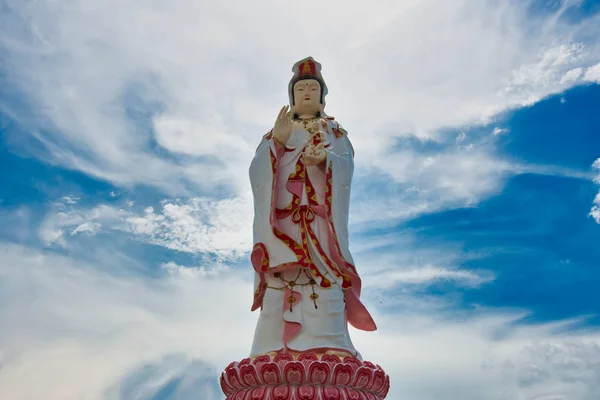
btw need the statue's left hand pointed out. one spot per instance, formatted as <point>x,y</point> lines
<point>314,155</point>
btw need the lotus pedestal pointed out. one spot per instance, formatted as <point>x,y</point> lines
<point>307,376</point>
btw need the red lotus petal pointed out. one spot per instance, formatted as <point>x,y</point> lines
<point>307,358</point>
<point>308,378</point>
<point>355,363</point>
<point>270,374</point>
<point>265,358</point>
<point>249,375</point>
<point>378,381</point>
<point>332,393</point>
<point>282,358</point>
<point>259,393</point>
<point>331,359</point>
<point>281,393</point>
<point>225,386</point>
<point>234,379</point>
<point>319,373</point>
<point>342,375</point>
<point>294,372</point>
<point>362,378</point>
<point>307,393</point>
<point>352,394</point>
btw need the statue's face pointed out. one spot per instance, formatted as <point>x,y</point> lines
<point>307,97</point>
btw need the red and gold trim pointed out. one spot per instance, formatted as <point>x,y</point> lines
<point>324,124</point>
<point>312,199</point>
<point>337,130</point>
<point>328,208</point>
<point>303,215</point>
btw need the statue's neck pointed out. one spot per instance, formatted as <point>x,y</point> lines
<point>307,116</point>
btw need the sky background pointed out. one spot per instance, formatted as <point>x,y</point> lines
<point>126,132</point>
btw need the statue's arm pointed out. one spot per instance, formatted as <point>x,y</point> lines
<point>342,152</point>
<point>340,164</point>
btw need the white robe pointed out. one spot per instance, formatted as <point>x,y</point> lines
<point>324,327</point>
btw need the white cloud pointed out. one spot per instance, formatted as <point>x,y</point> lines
<point>196,225</point>
<point>429,274</point>
<point>407,183</point>
<point>91,228</point>
<point>400,260</point>
<point>202,82</point>
<point>548,68</point>
<point>52,236</point>
<point>482,357</point>
<point>567,362</point>
<point>71,331</point>
<point>70,199</point>
<point>109,86</point>
<point>595,211</point>
<point>499,131</point>
<point>593,74</point>
<point>187,379</point>
<point>179,271</point>
<point>181,135</point>
<point>572,75</point>
<point>398,186</point>
<point>596,167</point>
<point>75,221</point>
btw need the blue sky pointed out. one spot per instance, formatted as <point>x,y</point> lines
<point>125,212</point>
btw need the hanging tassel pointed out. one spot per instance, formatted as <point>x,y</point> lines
<point>314,296</point>
<point>291,300</point>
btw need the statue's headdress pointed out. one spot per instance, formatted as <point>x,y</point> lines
<point>307,68</point>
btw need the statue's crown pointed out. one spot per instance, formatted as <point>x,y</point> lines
<point>307,68</point>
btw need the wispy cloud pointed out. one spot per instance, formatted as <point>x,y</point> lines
<point>80,330</point>
<point>70,199</point>
<point>595,212</point>
<point>176,96</point>
<point>174,376</point>
<point>592,74</point>
<point>427,275</point>
<point>73,221</point>
<point>572,75</point>
<point>198,225</point>
<point>499,131</point>
<point>163,103</point>
<point>401,261</point>
<point>409,181</point>
<point>72,331</point>
<point>195,225</point>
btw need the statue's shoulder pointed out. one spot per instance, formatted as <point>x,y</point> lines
<point>335,126</point>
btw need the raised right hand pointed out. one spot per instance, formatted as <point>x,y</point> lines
<point>283,125</point>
